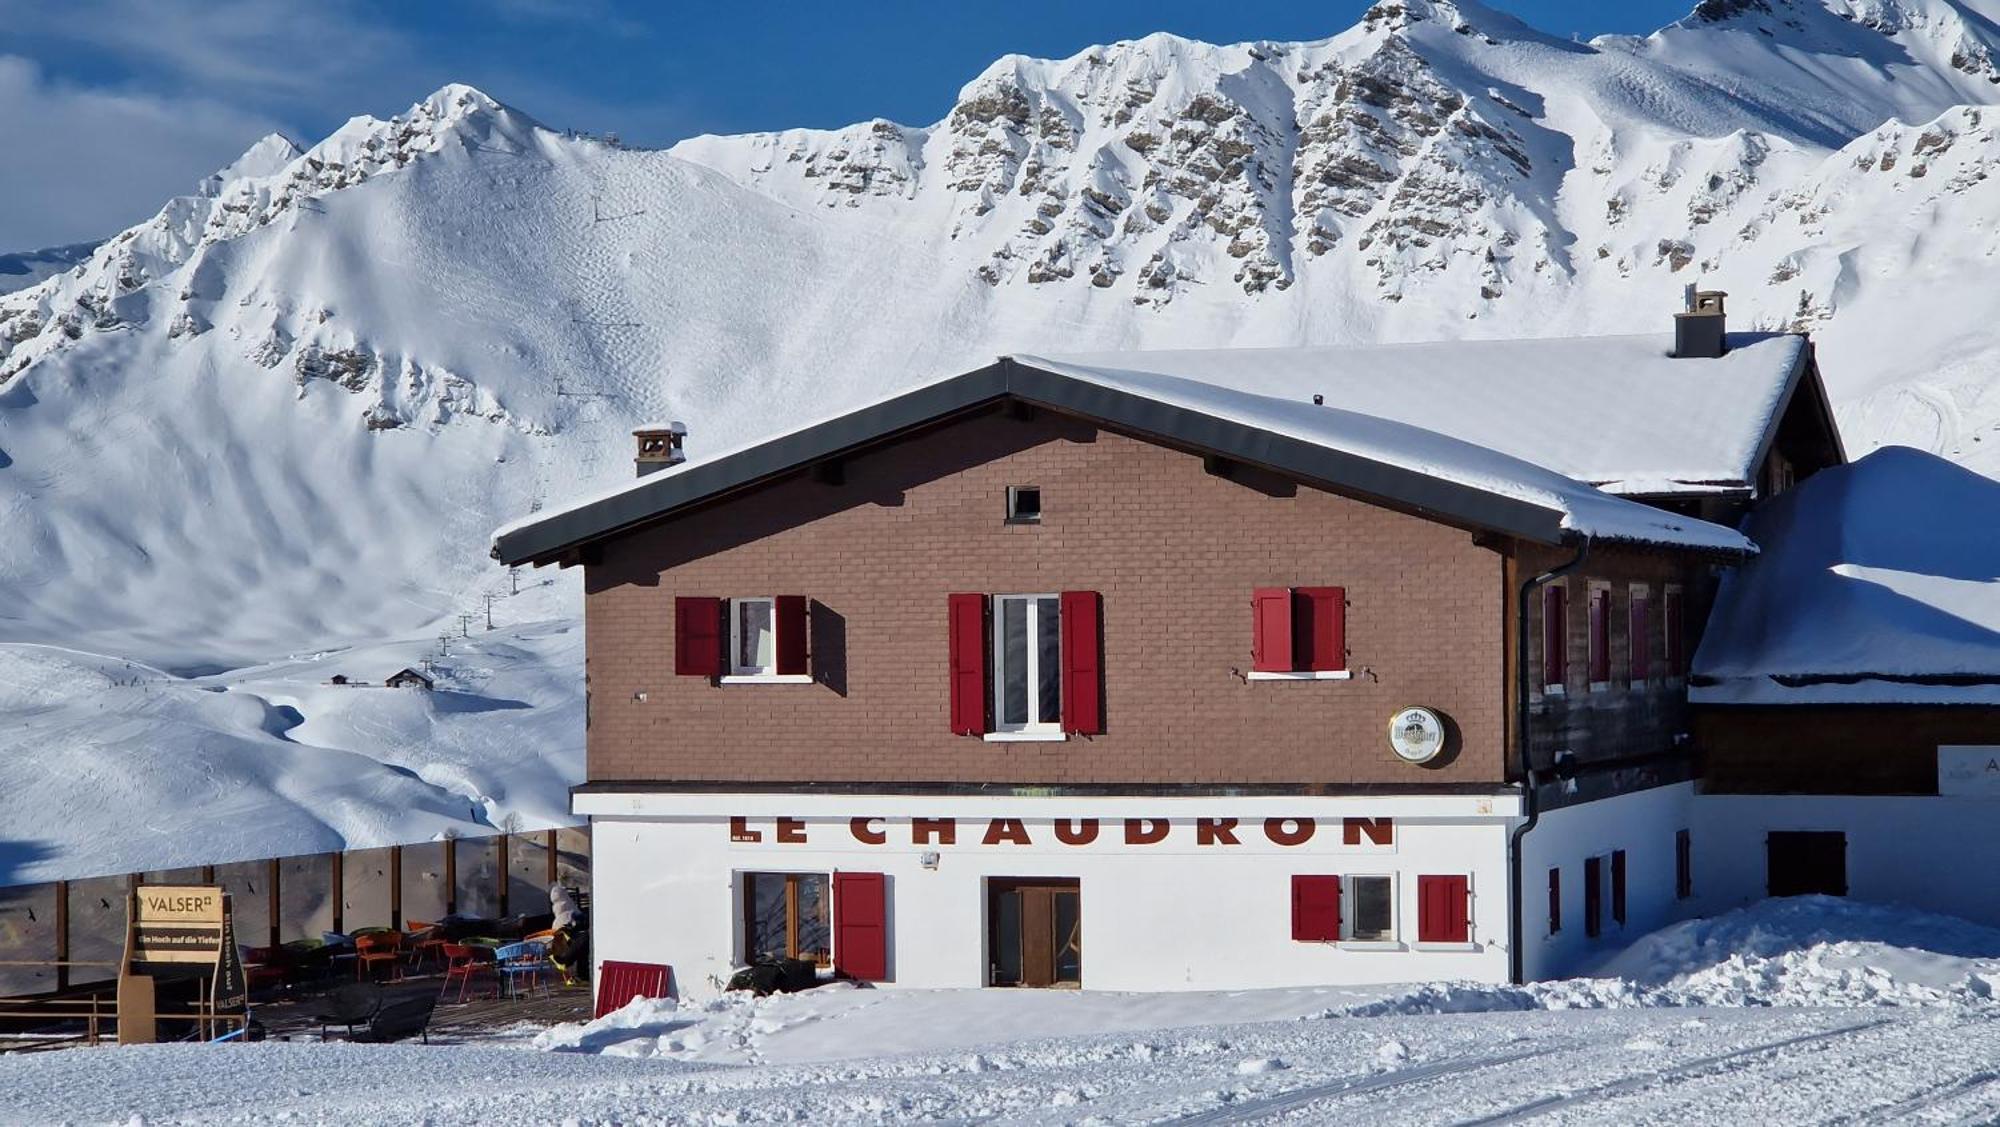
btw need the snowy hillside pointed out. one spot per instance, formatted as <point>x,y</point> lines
<point>279,419</point>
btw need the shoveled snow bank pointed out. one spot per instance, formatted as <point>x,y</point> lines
<point>1799,951</point>
<point>1807,951</point>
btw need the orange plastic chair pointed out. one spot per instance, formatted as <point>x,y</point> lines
<point>380,947</point>
<point>465,962</point>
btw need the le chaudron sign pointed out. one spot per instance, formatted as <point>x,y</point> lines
<point>1970,771</point>
<point>1219,833</point>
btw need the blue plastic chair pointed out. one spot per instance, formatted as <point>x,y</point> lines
<point>523,960</point>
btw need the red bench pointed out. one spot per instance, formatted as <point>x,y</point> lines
<point>620,982</point>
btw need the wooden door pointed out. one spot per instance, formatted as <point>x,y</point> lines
<point>1036,933</point>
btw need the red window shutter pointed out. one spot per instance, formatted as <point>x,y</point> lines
<point>1683,865</point>
<point>1441,910</point>
<point>1640,631</point>
<point>1082,662</point>
<point>791,622</point>
<point>861,926</point>
<point>1675,628</point>
<point>1618,885</point>
<point>1600,635</point>
<point>1593,896</point>
<point>968,664</point>
<point>697,637</point>
<point>1316,909</point>
<point>1271,630</point>
<point>1555,636</point>
<point>1322,645</point>
<point>1555,901</point>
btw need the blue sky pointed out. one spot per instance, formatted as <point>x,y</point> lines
<point>109,106</point>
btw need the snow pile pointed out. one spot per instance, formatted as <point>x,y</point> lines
<point>1882,583</point>
<point>1800,951</point>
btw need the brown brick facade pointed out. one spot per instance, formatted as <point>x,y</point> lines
<point>1175,552</point>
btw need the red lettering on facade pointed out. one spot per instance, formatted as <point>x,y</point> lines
<point>792,831</point>
<point>864,831</point>
<point>1289,831</point>
<point>739,830</point>
<point>1008,830</point>
<point>1215,831</point>
<point>1380,831</point>
<point>1076,831</point>
<point>933,831</point>
<point>1146,831</point>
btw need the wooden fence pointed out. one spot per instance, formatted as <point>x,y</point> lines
<point>49,933</point>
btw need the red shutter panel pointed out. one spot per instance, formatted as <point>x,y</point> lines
<point>861,926</point>
<point>1441,910</point>
<point>1555,901</point>
<point>697,637</point>
<point>1640,631</point>
<point>1323,644</point>
<point>1082,662</point>
<point>791,616</point>
<point>1593,896</point>
<point>1618,885</point>
<point>1670,607</point>
<point>1600,636</point>
<point>1555,636</point>
<point>1271,630</point>
<point>968,664</point>
<point>1316,909</point>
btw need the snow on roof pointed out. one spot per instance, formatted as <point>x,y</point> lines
<point>1879,584</point>
<point>1580,508</point>
<point>1586,510</point>
<point>1619,412</point>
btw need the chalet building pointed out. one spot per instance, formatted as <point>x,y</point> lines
<point>1179,670</point>
<point>1847,696</point>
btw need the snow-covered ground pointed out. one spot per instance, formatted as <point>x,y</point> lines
<point>1804,1011</point>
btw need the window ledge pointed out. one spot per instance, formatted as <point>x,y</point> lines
<point>767,679</point>
<point>1024,737</point>
<point>1444,946</point>
<point>1554,691</point>
<point>1373,945</point>
<point>1307,675</point>
<point>1600,686</point>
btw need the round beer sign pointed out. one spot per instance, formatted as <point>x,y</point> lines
<point>1416,735</point>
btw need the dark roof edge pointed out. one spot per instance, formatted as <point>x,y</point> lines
<point>1447,501</point>
<point>1036,790</point>
<point>1805,372</point>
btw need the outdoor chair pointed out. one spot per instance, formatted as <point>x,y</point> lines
<point>379,947</point>
<point>464,962</point>
<point>408,1016</point>
<point>350,1005</point>
<point>525,960</point>
<point>424,941</point>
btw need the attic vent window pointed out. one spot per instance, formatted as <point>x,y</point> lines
<point>1024,504</point>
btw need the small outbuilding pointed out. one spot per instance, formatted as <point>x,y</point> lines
<point>409,679</point>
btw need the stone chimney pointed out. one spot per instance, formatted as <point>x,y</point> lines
<point>659,446</point>
<point>1698,330</point>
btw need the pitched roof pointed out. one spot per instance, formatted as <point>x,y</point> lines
<point>1621,412</point>
<point>1863,595</point>
<point>1388,460</point>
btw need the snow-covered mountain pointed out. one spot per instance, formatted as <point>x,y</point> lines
<point>278,419</point>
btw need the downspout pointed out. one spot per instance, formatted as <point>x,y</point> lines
<point>1516,932</point>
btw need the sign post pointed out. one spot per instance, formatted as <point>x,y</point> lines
<point>175,928</point>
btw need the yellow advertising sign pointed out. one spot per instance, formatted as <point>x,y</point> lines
<point>180,904</point>
<point>177,924</point>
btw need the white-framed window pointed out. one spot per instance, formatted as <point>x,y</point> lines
<point>1024,504</point>
<point>1368,911</point>
<point>753,637</point>
<point>1027,664</point>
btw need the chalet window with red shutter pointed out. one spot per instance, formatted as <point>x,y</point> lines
<point>1027,667</point>
<point>745,640</point>
<point>1298,634</point>
<point>1555,639</point>
<point>1600,637</point>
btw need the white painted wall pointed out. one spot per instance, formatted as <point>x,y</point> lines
<point>1643,825</point>
<point>1930,852</point>
<point>1170,916</point>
